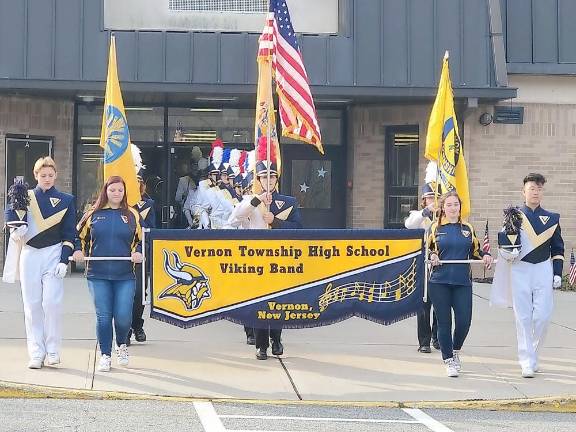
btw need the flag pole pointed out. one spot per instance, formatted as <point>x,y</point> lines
<point>268,132</point>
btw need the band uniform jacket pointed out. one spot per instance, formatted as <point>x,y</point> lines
<point>249,213</point>
<point>51,219</point>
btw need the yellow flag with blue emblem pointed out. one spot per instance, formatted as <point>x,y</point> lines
<point>443,143</point>
<point>115,136</point>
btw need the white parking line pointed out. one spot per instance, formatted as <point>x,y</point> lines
<point>321,419</point>
<point>426,420</point>
<point>208,417</point>
<point>211,420</point>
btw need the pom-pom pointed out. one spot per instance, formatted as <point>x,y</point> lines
<point>137,158</point>
<point>431,172</point>
<point>216,144</point>
<point>512,220</point>
<point>251,161</point>
<point>18,195</point>
<point>235,158</point>
<point>217,156</point>
<point>263,150</point>
<point>242,161</point>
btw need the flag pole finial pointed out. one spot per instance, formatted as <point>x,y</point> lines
<point>446,55</point>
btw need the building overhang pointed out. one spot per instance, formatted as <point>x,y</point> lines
<point>180,93</point>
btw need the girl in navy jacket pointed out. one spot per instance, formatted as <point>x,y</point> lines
<point>111,229</point>
<point>450,285</point>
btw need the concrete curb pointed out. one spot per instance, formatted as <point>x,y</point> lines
<point>566,404</point>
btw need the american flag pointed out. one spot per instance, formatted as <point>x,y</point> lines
<point>572,277</point>
<point>486,244</point>
<point>296,106</point>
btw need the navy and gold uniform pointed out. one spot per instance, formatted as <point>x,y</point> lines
<point>146,209</point>
<point>453,241</point>
<point>526,282</point>
<point>450,285</point>
<point>49,241</point>
<point>110,233</point>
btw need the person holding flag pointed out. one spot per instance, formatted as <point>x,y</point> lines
<point>265,209</point>
<point>423,219</point>
<point>531,266</point>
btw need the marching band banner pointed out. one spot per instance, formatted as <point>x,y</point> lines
<point>285,278</point>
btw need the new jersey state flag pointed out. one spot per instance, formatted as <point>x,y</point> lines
<point>443,143</point>
<point>115,137</point>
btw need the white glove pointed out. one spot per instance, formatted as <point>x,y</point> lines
<point>19,232</point>
<point>557,282</point>
<point>509,255</point>
<point>60,270</point>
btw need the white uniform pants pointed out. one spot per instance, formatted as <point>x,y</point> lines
<point>533,303</point>
<point>42,295</point>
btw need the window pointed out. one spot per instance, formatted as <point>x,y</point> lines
<point>246,6</point>
<point>402,153</point>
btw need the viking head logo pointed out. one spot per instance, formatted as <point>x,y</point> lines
<point>190,283</point>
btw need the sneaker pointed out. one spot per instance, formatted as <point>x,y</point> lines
<point>36,363</point>
<point>457,361</point>
<point>436,344</point>
<point>52,359</point>
<point>527,372</point>
<point>104,363</point>
<point>140,335</point>
<point>261,354</point>
<point>250,340</point>
<point>122,353</point>
<point>424,349</point>
<point>451,370</point>
<point>277,348</point>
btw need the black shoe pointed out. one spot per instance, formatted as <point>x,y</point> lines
<point>277,348</point>
<point>436,344</point>
<point>140,335</point>
<point>250,340</point>
<point>425,349</point>
<point>129,337</point>
<point>261,354</point>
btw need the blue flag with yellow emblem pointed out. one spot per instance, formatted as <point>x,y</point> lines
<point>115,137</point>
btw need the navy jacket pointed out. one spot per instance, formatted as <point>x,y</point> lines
<point>285,211</point>
<point>51,219</point>
<point>453,241</point>
<point>109,233</point>
<point>543,238</point>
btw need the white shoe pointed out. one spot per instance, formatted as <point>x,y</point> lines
<point>527,372</point>
<point>36,363</point>
<point>52,359</point>
<point>457,361</point>
<point>104,363</point>
<point>451,370</point>
<point>122,353</point>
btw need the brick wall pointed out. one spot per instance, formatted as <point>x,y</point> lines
<point>498,157</point>
<point>366,158</point>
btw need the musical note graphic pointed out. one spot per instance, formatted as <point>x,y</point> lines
<point>374,292</point>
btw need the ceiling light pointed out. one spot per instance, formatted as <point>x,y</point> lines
<point>216,98</point>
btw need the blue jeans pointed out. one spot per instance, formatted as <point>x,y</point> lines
<point>113,301</point>
<point>446,298</point>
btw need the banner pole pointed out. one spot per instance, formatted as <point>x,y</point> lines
<point>143,269</point>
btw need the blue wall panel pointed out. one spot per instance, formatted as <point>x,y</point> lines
<point>67,50</point>
<point>12,38</point>
<point>151,58</point>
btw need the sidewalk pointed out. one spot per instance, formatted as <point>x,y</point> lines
<point>355,360</point>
